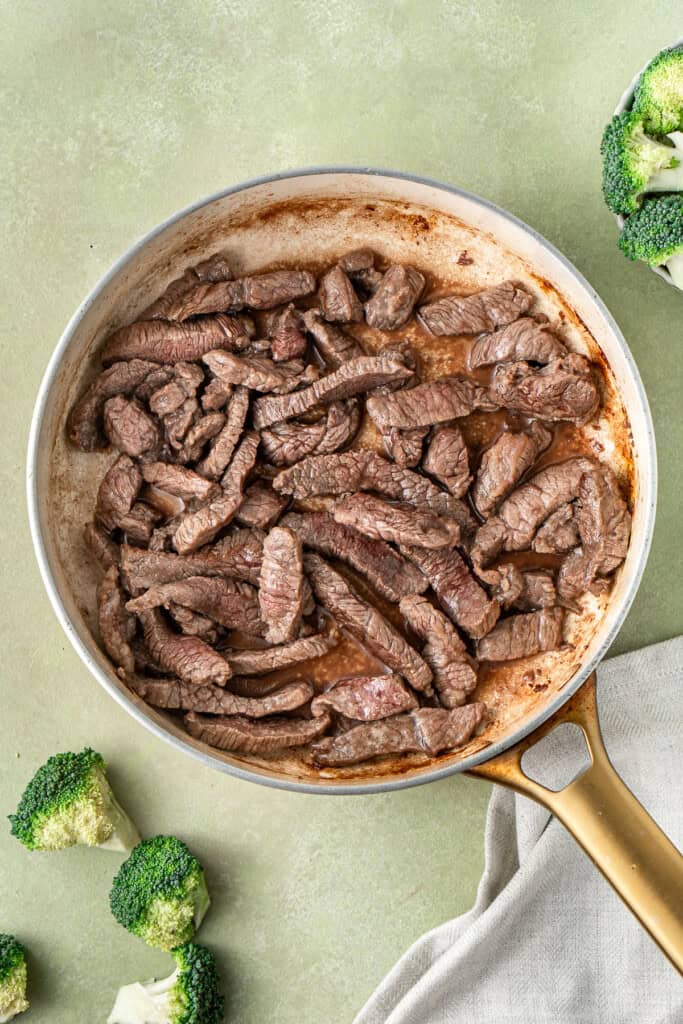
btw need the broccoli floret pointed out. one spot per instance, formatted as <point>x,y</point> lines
<point>12,978</point>
<point>633,163</point>
<point>160,893</point>
<point>68,802</point>
<point>191,995</point>
<point>659,96</point>
<point>655,234</point>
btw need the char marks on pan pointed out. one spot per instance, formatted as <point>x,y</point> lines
<point>484,311</point>
<point>366,698</point>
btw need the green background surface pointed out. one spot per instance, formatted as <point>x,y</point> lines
<point>113,117</point>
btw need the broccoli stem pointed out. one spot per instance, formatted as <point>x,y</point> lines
<point>203,902</point>
<point>125,835</point>
<point>671,178</point>
<point>143,1002</point>
<point>675,268</point>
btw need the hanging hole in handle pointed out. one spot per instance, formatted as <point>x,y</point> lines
<point>559,758</point>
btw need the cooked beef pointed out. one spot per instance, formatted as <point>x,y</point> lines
<point>338,300</point>
<point>524,339</point>
<point>559,533</point>
<point>215,268</point>
<point>187,657</point>
<point>538,591</point>
<point>459,594</point>
<point>356,377</point>
<point>85,419</point>
<point>178,423</point>
<point>335,347</point>
<point>365,623</point>
<point>216,395</point>
<point>428,730</point>
<point>262,506</point>
<point>505,463</point>
<point>341,426</point>
<point>243,550</point>
<point>520,636</point>
<point>391,575</point>
<point>138,524</point>
<point>258,372</point>
<point>102,548</point>
<point>199,527</point>
<point>129,428</point>
<point>204,430</point>
<point>239,733</point>
<point>287,443</point>
<point>447,459</point>
<point>193,623</point>
<point>394,299</point>
<point>117,492</point>
<point>185,483</point>
<point>214,700</point>
<point>116,625</point>
<point>437,401</point>
<point>396,524</point>
<point>257,663</point>
<point>366,698</point>
<point>261,291</point>
<point>281,585</point>
<point>505,582</point>
<point>224,443</point>
<point>455,674</point>
<point>357,259</point>
<point>404,446</point>
<point>472,314</point>
<point>287,336</point>
<point>231,604</point>
<point>155,380</point>
<point>165,342</point>
<point>170,396</point>
<point>562,390</point>
<point>167,399</point>
<point>237,556</point>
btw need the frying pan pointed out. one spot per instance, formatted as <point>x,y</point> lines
<point>308,216</point>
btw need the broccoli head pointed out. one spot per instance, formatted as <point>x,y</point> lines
<point>160,893</point>
<point>12,978</point>
<point>659,96</point>
<point>633,163</point>
<point>68,802</point>
<point>655,234</point>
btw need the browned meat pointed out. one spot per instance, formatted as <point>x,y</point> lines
<point>239,733</point>
<point>262,506</point>
<point>287,335</point>
<point>391,575</point>
<point>428,730</point>
<point>365,623</point>
<point>258,372</point>
<point>237,556</point>
<point>193,623</point>
<point>243,550</point>
<point>396,524</point>
<point>167,399</point>
<point>437,401</point>
<point>538,591</point>
<point>559,533</point>
<point>472,314</point>
<point>366,698</point>
<point>102,548</point>
<point>335,347</point>
<point>281,585</point>
<point>116,625</point>
<point>117,492</point>
<point>215,268</point>
<point>262,291</point>
<point>171,395</point>
<point>459,594</point>
<point>524,339</point>
<point>455,674</point>
<point>187,657</point>
<point>287,443</point>
<point>394,299</point>
<point>84,423</point>
<point>216,395</point>
<point>505,463</point>
<point>185,483</point>
<point>178,423</point>
<point>447,459</point>
<point>341,426</point>
<point>165,342</point>
<point>225,441</point>
<point>129,428</point>
<point>562,390</point>
<point>360,266</point>
<point>338,300</point>
<point>353,378</point>
<point>404,446</point>
<point>225,601</point>
<point>199,527</point>
<point>204,430</point>
<point>257,663</point>
<point>214,700</point>
<point>505,582</point>
<point>138,524</point>
<point>520,636</point>
<point>158,378</point>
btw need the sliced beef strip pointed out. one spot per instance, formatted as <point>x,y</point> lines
<point>365,623</point>
<point>505,463</point>
<point>237,556</point>
<point>215,268</point>
<point>437,401</point>
<point>216,395</point>
<point>357,259</point>
<point>225,442</point>
<point>118,490</point>
<point>366,698</point>
<point>103,549</point>
<point>455,674</point>
<point>428,730</point>
<point>241,734</point>
<point>178,423</point>
<point>562,390</point>
<point>260,291</point>
<point>166,342</point>
<point>559,533</point>
<point>231,604</point>
<point>334,345</point>
<point>520,636</point>
<point>243,550</point>
<point>281,585</point>
<point>394,299</point>
<point>459,593</point>
<point>262,506</point>
<point>258,372</point>
<point>199,434</point>
<point>214,700</point>
<point>341,426</point>
<point>193,623</point>
<point>355,377</point>
<point>84,425</point>
<point>199,527</point>
<point>404,446</point>
<point>116,625</point>
<point>397,524</point>
<point>391,575</point>
<point>187,657</point>
<point>167,399</point>
<point>538,592</point>
<point>287,443</point>
<point>138,524</point>
<point>524,339</point>
<point>256,663</point>
<point>158,378</point>
<point>505,582</point>
<point>447,459</point>
<point>179,480</point>
<point>129,428</point>
<point>338,299</point>
<point>170,396</point>
<point>287,334</point>
<point>472,314</point>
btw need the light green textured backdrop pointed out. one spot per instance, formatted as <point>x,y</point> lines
<point>115,115</point>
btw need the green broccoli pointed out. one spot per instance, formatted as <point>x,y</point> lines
<point>12,978</point>
<point>659,95</point>
<point>68,802</point>
<point>633,163</point>
<point>190,995</point>
<point>160,893</point>
<point>655,234</point>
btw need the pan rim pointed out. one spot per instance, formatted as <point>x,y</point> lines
<point>419,777</point>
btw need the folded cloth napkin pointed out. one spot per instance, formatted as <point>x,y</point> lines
<point>548,941</point>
